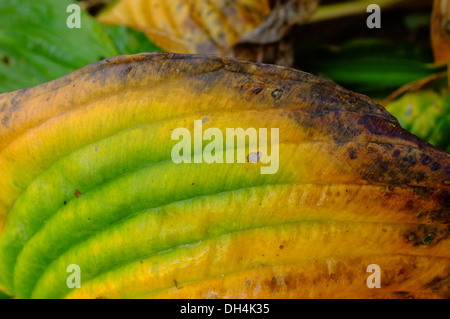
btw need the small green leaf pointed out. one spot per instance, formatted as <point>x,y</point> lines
<point>374,67</point>
<point>129,41</point>
<point>37,46</point>
<point>426,114</point>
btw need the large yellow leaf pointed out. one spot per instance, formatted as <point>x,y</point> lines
<point>88,178</point>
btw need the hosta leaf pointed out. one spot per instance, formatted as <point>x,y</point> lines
<point>88,178</point>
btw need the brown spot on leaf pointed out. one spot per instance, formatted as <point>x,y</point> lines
<point>428,238</point>
<point>426,160</point>
<point>403,294</point>
<point>290,282</point>
<point>176,284</point>
<point>276,94</point>
<point>435,166</point>
<point>409,205</point>
<point>77,193</point>
<point>380,126</point>
<point>352,153</point>
<point>128,70</point>
<point>5,60</point>
<point>256,90</point>
<point>447,169</point>
<point>409,159</point>
<point>436,283</point>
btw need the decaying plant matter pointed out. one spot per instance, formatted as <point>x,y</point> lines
<point>252,29</point>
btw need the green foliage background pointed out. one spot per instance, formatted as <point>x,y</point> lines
<point>37,46</point>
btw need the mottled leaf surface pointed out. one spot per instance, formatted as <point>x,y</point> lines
<point>87,178</point>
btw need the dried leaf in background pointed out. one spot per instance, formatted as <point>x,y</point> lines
<point>252,29</point>
<point>440,31</point>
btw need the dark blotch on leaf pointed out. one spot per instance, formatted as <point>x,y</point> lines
<point>276,94</point>
<point>447,169</point>
<point>435,166</point>
<point>409,205</point>
<point>396,153</point>
<point>428,238</point>
<point>420,176</point>
<point>380,126</point>
<point>256,90</point>
<point>176,284</point>
<point>426,160</point>
<point>127,70</point>
<point>352,153</point>
<point>436,283</point>
<point>5,60</point>
<point>409,159</point>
